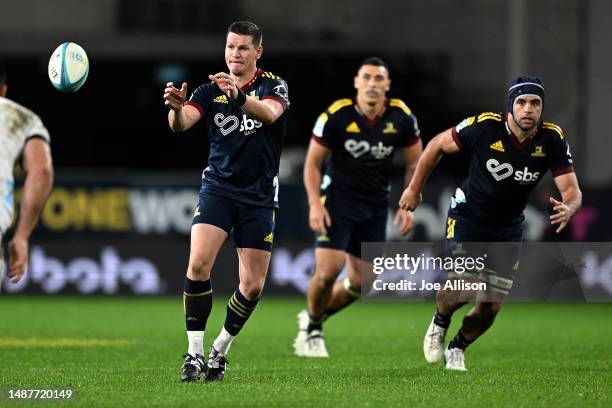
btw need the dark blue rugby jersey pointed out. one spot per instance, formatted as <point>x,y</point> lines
<point>502,171</point>
<point>359,167</point>
<point>244,153</point>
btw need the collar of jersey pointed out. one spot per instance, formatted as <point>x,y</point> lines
<point>515,141</point>
<point>370,122</point>
<point>246,86</point>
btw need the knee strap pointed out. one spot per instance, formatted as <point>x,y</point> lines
<point>351,290</point>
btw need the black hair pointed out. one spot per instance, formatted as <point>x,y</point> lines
<point>377,62</point>
<point>246,28</point>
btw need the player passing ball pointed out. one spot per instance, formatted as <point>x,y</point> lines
<point>245,114</point>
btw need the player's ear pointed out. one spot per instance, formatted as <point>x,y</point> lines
<point>388,86</point>
<point>259,51</point>
<point>3,89</point>
<point>355,81</point>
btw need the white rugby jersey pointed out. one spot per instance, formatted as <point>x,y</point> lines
<point>17,125</point>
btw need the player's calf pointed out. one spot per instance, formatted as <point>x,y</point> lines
<point>479,319</point>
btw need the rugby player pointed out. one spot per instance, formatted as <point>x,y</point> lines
<point>24,138</point>
<point>509,154</point>
<point>348,205</point>
<point>245,113</point>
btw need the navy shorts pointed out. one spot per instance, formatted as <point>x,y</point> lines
<point>352,224</point>
<point>252,226</point>
<point>500,245</point>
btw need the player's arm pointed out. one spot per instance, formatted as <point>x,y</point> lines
<point>411,155</point>
<point>571,197</point>
<point>443,143</point>
<point>318,217</point>
<point>181,117</point>
<point>38,166</point>
<point>267,111</point>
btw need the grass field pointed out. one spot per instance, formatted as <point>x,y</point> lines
<point>127,352</point>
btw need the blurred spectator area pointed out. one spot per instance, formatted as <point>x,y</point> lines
<point>449,59</point>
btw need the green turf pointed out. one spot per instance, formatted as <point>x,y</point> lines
<point>535,355</point>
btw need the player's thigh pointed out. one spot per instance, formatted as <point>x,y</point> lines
<point>206,241</point>
<point>371,228</point>
<point>461,239</point>
<point>214,210</point>
<point>339,234</point>
<point>254,227</point>
<point>500,267</point>
<point>210,227</point>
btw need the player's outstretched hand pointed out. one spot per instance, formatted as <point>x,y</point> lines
<point>173,97</point>
<point>226,83</point>
<point>562,214</point>
<point>405,220</point>
<point>410,200</point>
<point>18,258</point>
<point>319,218</point>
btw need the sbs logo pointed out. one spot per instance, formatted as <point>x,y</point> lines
<point>358,149</point>
<point>249,126</point>
<point>227,124</point>
<point>501,171</point>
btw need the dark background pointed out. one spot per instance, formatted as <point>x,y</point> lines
<point>448,60</point>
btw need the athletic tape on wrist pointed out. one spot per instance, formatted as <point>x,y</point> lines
<point>241,98</point>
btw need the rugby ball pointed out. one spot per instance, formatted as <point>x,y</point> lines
<point>68,67</point>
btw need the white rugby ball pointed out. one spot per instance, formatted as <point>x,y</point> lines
<point>68,67</point>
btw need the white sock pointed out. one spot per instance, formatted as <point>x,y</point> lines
<point>196,342</point>
<point>223,342</point>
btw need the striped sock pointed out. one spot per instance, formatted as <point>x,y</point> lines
<point>239,310</point>
<point>197,301</point>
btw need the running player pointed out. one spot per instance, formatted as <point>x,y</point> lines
<point>509,154</point>
<point>348,205</point>
<point>23,137</point>
<point>245,112</point>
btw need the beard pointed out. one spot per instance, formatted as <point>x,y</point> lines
<point>526,128</point>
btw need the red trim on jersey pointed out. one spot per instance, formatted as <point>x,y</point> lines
<point>515,141</point>
<point>413,141</point>
<point>563,171</point>
<point>371,122</point>
<point>320,141</point>
<point>195,105</point>
<point>456,138</point>
<point>277,99</point>
<point>246,86</point>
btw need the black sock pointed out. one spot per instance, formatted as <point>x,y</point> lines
<point>459,342</point>
<point>316,322</point>
<point>329,312</point>
<point>197,300</point>
<point>239,310</point>
<point>442,320</point>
